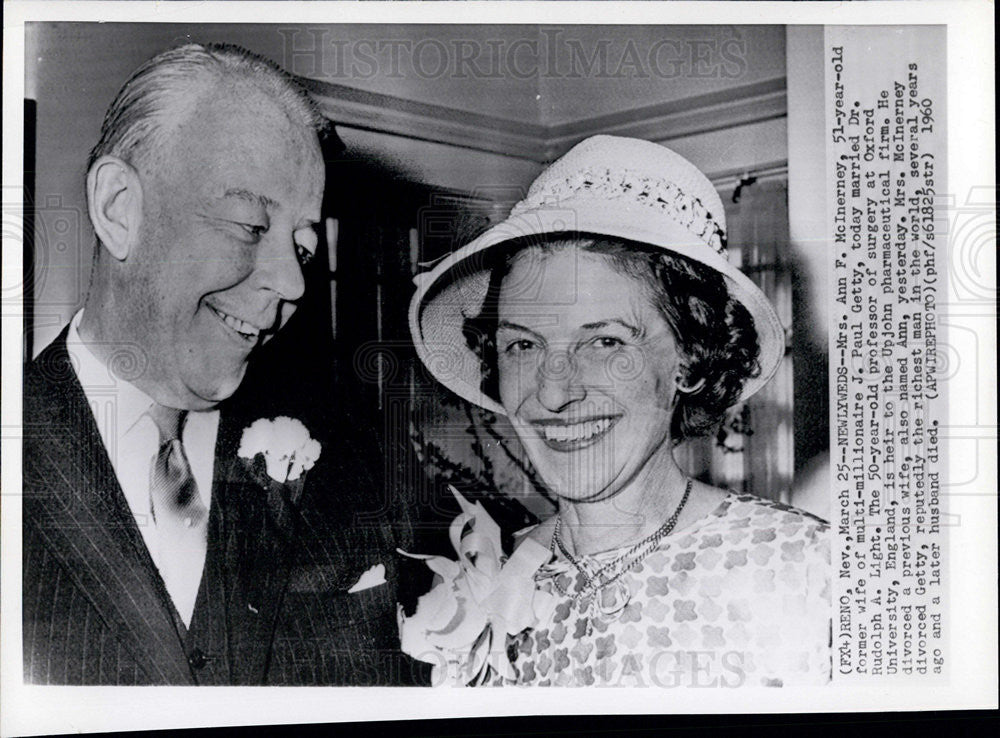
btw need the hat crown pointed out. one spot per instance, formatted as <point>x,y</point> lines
<point>628,189</point>
<point>639,172</point>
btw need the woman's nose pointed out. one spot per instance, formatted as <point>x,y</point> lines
<point>558,382</point>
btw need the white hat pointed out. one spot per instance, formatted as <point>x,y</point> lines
<point>608,186</point>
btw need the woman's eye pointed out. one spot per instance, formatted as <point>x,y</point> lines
<point>608,342</point>
<point>520,346</point>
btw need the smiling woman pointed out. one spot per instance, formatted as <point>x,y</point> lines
<point>622,324</point>
<point>604,320</point>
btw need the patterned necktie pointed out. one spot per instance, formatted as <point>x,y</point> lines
<point>180,517</point>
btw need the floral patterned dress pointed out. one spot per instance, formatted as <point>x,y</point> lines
<point>740,597</point>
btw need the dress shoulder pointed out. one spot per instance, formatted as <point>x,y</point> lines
<point>752,511</point>
<point>799,535</point>
<point>753,505</point>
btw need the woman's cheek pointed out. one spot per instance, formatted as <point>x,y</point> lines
<point>511,383</point>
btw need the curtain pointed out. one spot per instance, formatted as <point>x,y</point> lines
<point>753,452</point>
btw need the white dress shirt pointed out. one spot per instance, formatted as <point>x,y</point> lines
<point>132,441</point>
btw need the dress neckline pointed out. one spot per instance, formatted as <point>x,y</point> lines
<point>717,512</point>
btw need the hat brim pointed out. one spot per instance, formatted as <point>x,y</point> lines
<point>455,289</point>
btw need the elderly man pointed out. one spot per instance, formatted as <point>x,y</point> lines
<point>171,537</point>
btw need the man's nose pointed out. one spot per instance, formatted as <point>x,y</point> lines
<point>278,267</point>
<point>558,382</point>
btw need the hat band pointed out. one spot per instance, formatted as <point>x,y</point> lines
<point>686,210</point>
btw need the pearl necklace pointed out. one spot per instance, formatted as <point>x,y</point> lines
<point>611,573</point>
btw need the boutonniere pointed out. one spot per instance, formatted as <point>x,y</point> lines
<point>281,446</point>
<point>461,626</point>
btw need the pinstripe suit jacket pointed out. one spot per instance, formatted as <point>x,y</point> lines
<point>273,607</point>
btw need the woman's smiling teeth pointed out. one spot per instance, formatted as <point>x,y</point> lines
<point>572,432</point>
<point>247,331</point>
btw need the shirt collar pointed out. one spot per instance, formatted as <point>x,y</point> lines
<point>99,382</point>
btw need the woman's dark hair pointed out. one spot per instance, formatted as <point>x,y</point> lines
<point>715,334</point>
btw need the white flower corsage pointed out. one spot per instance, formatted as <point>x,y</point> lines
<point>285,444</point>
<point>461,625</point>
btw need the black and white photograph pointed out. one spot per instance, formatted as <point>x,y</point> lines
<point>402,351</point>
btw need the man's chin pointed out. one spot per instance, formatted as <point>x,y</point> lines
<point>205,393</point>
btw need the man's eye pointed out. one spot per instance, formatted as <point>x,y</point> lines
<point>255,231</point>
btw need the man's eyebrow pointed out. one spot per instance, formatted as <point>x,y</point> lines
<point>636,332</point>
<point>251,197</point>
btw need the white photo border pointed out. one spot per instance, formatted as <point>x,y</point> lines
<point>973,577</point>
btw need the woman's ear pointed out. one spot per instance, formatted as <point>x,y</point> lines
<point>114,201</point>
<point>688,389</point>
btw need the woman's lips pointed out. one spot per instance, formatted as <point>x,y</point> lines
<point>562,435</point>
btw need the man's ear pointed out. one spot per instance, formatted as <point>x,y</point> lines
<point>114,200</point>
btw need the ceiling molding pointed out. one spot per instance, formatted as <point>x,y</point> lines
<point>739,106</point>
<point>373,111</point>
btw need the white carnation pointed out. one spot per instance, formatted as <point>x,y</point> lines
<point>287,447</point>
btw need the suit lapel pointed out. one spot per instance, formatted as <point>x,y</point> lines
<point>258,532</point>
<point>73,497</point>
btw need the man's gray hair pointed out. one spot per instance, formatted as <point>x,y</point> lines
<point>174,82</point>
